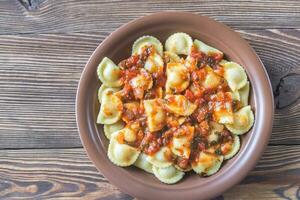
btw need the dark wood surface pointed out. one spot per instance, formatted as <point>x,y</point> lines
<point>67,173</point>
<point>44,46</point>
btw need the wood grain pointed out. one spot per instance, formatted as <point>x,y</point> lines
<point>41,16</point>
<point>287,90</point>
<point>39,74</point>
<point>283,67</point>
<point>44,45</point>
<point>52,174</point>
<point>68,174</point>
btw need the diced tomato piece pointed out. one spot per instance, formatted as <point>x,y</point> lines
<point>218,57</point>
<point>201,146</point>
<point>204,127</point>
<point>183,162</point>
<point>189,95</point>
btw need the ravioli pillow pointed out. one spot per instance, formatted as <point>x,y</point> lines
<point>169,175</point>
<point>121,154</point>
<point>207,164</point>
<point>178,78</point>
<point>235,75</point>
<point>243,121</point>
<point>179,43</point>
<point>179,105</point>
<point>110,109</point>
<point>162,158</point>
<point>109,73</point>
<point>147,40</point>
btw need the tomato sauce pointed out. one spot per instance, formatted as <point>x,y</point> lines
<point>206,100</point>
<point>202,59</point>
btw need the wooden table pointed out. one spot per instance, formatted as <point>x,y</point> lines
<point>44,46</point>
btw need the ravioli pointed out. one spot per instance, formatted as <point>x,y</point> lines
<point>235,75</point>
<point>104,89</point>
<point>223,111</point>
<point>207,164</point>
<point>168,175</point>
<point>212,80</point>
<point>215,130</point>
<point>243,121</point>
<point>173,110</point>
<point>190,63</point>
<point>147,41</point>
<point>129,133</point>
<point>175,121</point>
<point>109,129</point>
<point>179,43</point>
<point>170,57</point>
<point>181,143</point>
<point>178,78</point>
<point>121,154</point>
<point>141,83</point>
<point>109,73</point>
<point>208,50</point>
<point>229,149</point>
<point>178,104</point>
<point>130,111</point>
<point>224,116</point>
<point>236,96</point>
<point>110,110</point>
<point>244,94</point>
<point>143,164</point>
<point>156,117</point>
<point>154,63</point>
<point>162,158</point>
<point>222,62</point>
<point>189,168</point>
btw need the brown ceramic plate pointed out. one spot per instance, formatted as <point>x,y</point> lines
<point>117,46</point>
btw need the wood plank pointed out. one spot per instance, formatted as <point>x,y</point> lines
<point>283,68</point>
<point>39,75</point>
<point>68,174</point>
<point>276,176</point>
<point>42,16</point>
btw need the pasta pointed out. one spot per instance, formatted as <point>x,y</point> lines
<point>207,163</point>
<point>179,43</point>
<point>121,154</point>
<point>156,118</point>
<point>162,158</point>
<point>181,143</point>
<point>104,89</point>
<point>130,111</point>
<point>230,148</point>
<point>109,73</point>
<point>185,169</point>
<point>109,129</point>
<point>170,57</point>
<point>178,78</point>
<point>143,41</point>
<point>179,104</point>
<point>143,164</point>
<point>173,110</point>
<point>243,121</point>
<point>202,47</point>
<point>212,80</point>
<point>244,94</point>
<point>214,134</point>
<point>141,83</point>
<point>168,175</point>
<point>235,75</point>
<point>222,105</point>
<point>110,110</point>
<point>154,63</point>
